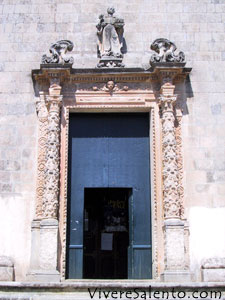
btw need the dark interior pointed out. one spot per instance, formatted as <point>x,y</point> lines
<point>106,233</point>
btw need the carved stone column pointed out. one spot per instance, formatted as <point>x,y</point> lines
<point>168,65</point>
<point>42,113</point>
<point>49,224</point>
<point>170,172</point>
<point>51,193</point>
<point>174,235</point>
<point>45,227</point>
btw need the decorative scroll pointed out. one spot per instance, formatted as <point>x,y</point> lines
<point>170,171</point>
<point>165,50</point>
<point>50,205</point>
<point>42,112</point>
<point>58,52</point>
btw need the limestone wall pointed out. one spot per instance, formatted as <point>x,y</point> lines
<point>27,28</point>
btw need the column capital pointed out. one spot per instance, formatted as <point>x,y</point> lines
<point>54,98</point>
<point>167,102</point>
<point>41,107</point>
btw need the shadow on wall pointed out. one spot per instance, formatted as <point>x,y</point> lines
<point>184,92</point>
<point>188,93</point>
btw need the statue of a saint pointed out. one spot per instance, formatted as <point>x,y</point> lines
<point>110,35</point>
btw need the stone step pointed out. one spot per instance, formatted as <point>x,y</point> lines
<point>114,289</point>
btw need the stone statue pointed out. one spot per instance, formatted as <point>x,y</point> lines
<point>165,50</point>
<point>58,52</point>
<point>110,36</point>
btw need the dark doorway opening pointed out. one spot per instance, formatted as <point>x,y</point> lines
<point>106,233</point>
<point>108,151</point>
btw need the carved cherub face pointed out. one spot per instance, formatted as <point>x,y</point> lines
<point>110,85</point>
<point>110,11</point>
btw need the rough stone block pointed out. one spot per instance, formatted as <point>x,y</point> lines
<point>6,269</point>
<point>213,269</point>
<point>176,276</point>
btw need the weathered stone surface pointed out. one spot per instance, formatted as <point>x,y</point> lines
<point>6,269</point>
<point>213,269</point>
<point>79,290</point>
<point>213,275</point>
<point>5,261</point>
<point>48,236</point>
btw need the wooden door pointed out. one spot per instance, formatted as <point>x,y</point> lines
<point>110,150</point>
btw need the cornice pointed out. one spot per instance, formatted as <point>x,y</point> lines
<point>66,74</point>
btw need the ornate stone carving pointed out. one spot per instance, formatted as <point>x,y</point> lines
<point>109,87</point>
<point>42,113</point>
<point>146,86</point>
<point>110,36</point>
<point>170,171</point>
<point>58,52</point>
<point>178,137</point>
<point>50,205</point>
<point>165,52</point>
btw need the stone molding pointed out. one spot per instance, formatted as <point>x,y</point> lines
<point>132,90</point>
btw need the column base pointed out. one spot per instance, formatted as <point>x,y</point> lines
<point>176,276</point>
<point>43,276</point>
<point>43,266</point>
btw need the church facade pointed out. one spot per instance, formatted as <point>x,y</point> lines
<point>112,141</point>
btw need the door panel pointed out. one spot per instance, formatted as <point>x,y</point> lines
<point>110,150</point>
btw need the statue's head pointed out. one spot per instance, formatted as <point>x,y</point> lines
<point>110,11</point>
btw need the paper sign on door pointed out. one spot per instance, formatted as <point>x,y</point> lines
<point>107,241</point>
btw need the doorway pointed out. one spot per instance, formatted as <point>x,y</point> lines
<point>109,159</point>
<point>106,233</point>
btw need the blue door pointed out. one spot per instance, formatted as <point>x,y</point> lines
<point>110,150</point>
